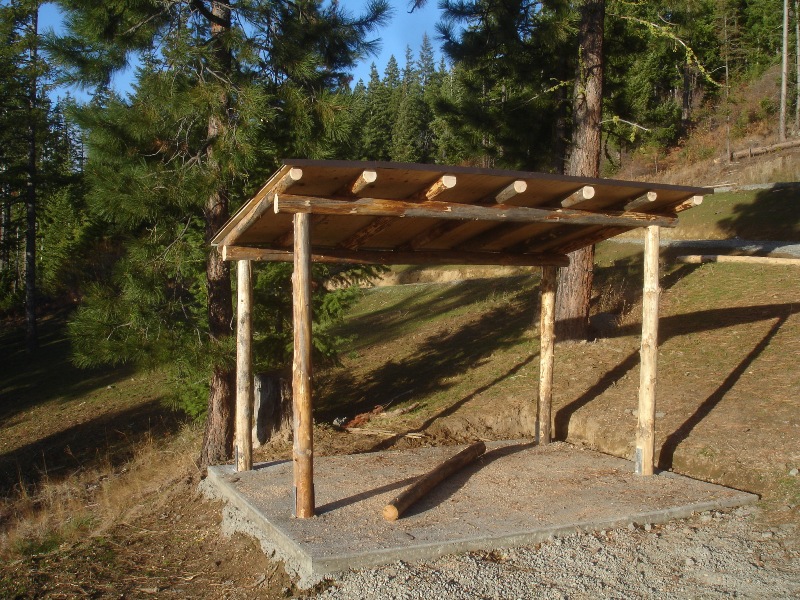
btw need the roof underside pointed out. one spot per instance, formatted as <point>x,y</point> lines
<point>397,213</point>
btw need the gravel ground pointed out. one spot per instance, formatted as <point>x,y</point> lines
<point>711,555</point>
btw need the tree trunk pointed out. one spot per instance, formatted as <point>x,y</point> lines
<point>273,408</point>
<point>797,66</point>
<point>784,72</point>
<point>5,235</point>
<point>218,438</point>
<point>575,281</point>
<point>31,335</point>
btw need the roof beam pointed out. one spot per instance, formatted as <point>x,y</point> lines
<point>391,257</point>
<point>642,201</point>
<point>585,193</point>
<point>376,207</point>
<point>366,178</point>
<point>511,190</point>
<point>444,227</point>
<point>350,189</point>
<point>262,202</point>
<point>503,233</point>
<point>445,182</point>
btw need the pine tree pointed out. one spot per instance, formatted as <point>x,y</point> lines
<point>410,127</point>
<point>507,57</point>
<point>223,90</point>
<point>377,133</point>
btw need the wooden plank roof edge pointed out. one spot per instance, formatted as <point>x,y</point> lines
<point>394,257</point>
<point>455,170</point>
<point>248,205</point>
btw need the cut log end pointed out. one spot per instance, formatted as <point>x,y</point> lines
<point>390,513</point>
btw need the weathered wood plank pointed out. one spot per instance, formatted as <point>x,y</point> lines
<point>263,202</point>
<point>393,257</point>
<point>378,207</point>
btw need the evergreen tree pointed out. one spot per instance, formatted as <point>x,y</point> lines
<point>410,127</point>
<point>223,90</point>
<point>377,134</point>
<point>508,57</point>
<point>37,169</point>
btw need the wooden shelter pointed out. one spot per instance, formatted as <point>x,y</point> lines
<point>396,213</point>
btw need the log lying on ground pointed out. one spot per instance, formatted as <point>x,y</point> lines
<point>393,510</point>
<point>696,259</point>
<point>758,150</point>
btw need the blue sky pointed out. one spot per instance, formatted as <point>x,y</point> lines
<point>403,29</point>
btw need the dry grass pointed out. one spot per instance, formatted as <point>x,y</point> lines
<point>60,511</point>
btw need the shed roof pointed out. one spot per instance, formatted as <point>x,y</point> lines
<point>401,213</point>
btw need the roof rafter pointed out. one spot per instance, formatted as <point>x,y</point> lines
<point>379,207</point>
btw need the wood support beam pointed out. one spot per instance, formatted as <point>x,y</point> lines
<point>445,182</point>
<point>642,201</point>
<point>394,257</point>
<point>442,228</point>
<point>645,430</point>
<point>303,454</point>
<point>262,202</point>
<point>366,178</point>
<point>377,207</point>
<point>687,204</point>
<point>583,194</point>
<point>360,237</point>
<point>511,190</point>
<point>244,366</point>
<point>547,338</point>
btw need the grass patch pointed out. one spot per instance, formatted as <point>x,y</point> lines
<point>749,215</point>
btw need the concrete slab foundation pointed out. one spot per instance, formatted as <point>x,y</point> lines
<point>516,494</point>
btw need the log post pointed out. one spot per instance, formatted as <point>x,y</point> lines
<point>303,454</point>
<point>244,366</point>
<point>547,321</point>
<point>645,430</point>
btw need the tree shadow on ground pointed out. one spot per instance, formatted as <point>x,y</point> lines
<point>426,302</point>
<point>440,357</point>
<point>108,441</point>
<point>774,214</point>
<point>679,325</point>
<point>451,408</point>
<point>667,454</point>
<point>27,381</point>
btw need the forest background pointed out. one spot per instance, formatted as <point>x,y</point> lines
<point>108,204</point>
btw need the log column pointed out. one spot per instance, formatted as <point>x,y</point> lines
<point>303,453</point>
<point>645,430</point>
<point>244,366</point>
<point>547,320</point>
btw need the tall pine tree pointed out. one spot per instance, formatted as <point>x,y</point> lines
<point>222,90</point>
